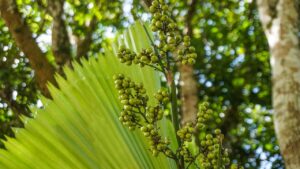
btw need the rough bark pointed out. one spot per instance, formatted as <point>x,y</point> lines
<point>189,17</point>
<point>280,19</point>
<point>189,91</point>
<point>22,35</point>
<point>61,47</point>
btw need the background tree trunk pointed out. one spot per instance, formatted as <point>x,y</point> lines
<point>61,47</point>
<point>280,19</point>
<point>188,84</point>
<point>23,36</point>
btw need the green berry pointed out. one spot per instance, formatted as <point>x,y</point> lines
<point>184,62</point>
<point>157,15</point>
<point>144,59</point>
<point>154,59</point>
<point>165,7</point>
<point>171,40</point>
<point>209,136</point>
<point>191,61</point>
<point>152,9</point>
<point>158,24</point>
<point>164,18</point>
<point>217,131</point>
<point>154,28</point>
<point>166,48</point>
<point>155,3</point>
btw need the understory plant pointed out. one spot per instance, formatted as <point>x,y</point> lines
<point>169,50</point>
<point>82,127</point>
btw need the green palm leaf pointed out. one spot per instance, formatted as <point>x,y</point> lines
<point>79,128</point>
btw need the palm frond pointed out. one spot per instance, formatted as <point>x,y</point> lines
<point>79,128</point>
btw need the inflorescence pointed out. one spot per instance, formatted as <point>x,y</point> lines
<point>138,114</point>
<point>171,50</point>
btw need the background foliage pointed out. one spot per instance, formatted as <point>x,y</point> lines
<point>233,70</point>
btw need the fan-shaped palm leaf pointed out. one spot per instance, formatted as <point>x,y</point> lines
<point>79,128</point>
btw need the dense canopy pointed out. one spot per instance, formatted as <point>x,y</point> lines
<point>232,73</point>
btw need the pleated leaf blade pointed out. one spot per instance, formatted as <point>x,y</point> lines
<point>79,128</point>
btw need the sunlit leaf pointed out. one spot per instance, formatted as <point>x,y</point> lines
<point>79,128</point>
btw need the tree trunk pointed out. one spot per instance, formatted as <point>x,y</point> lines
<point>84,44</point>
<point>188,84</point>
<point>188,93</point>
<point>61,47</point>
<point>21,33</point>
<point>280,19</point>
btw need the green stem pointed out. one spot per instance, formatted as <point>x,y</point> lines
<point>174,107</point>
<point>172,88</point>
<point>175,120</point>
<point>155,49</point>
<point>220,155</point>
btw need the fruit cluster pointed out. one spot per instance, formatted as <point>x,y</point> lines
<point>169,37</point>
<point>185,133</point>
<point>171,49</point>
<point>212,154</point>
<point>187,55</point>
<point>133,98</point>
<point>162,96</point>
<point>203,116</point>
<point>137,114</point>
<point>126,56</point>
<point>154,113</point>
<point>161,20</point>
<point>157,144</point>
<point>147,56</point>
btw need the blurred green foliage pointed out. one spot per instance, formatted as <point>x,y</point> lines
<point>17,89</point>
<point>234,73</point>
<point>233,70</point>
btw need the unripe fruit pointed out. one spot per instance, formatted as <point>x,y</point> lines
<point>155,3</point>
<point>165,7</point>
<point>217,131</point>
<point>157,15</point>
<point>158,24</point>
<point>152,9</point>
<point>191,61</point>
<point>154,28</point>
<point>154,59</point>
